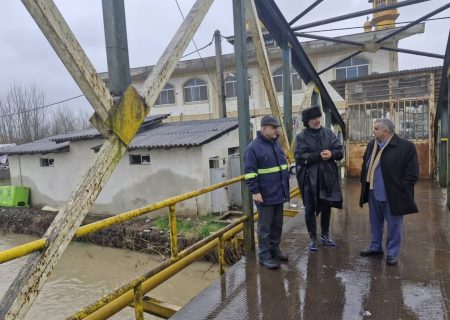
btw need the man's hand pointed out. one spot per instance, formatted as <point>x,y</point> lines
<point>325,155</point>
<point>257,198</point>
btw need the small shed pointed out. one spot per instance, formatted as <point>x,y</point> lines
<point>407,97</point>
<point>163,160</point>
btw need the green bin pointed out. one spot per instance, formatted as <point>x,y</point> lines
<point>14,196</point>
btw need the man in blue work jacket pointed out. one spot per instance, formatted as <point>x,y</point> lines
<point>267,177</point>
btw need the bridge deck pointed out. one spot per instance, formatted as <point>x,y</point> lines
<point>336,283</point>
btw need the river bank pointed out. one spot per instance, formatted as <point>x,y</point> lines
<point>145,235</point>
<point>87,272</point>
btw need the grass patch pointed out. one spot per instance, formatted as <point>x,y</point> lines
<point>190,227</point>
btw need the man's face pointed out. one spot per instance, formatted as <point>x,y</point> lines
<point>270,132</point>
<point>379,131</point>
<point>314,123</point>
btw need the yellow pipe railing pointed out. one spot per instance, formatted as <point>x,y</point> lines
<point>30,247</point>
<point>22,250</point>
<point>133,291</point>
<point>124,296</point>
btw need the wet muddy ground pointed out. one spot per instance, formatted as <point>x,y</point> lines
<point>336,283</point>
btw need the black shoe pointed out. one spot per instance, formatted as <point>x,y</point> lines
<point>269,263</point>
<point>281,257</point>
<point>392,261</point>
<point>326,241</point>
<point>370,252</point>
<point>312,246</point>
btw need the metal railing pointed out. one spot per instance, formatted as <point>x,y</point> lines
<point>37,245</point>
<point>132,293</point>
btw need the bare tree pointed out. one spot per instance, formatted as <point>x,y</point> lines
<point>24,117</point>
<point>64,120</point>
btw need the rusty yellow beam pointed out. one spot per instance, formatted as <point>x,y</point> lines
<point>221,254</point>
<point>290,213</point>
<point>138,303</point>
<point>159,308</point>
<point>173,231</point>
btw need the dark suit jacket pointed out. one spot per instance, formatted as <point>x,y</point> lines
<point>400,169</point>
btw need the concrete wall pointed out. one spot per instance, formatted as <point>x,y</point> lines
<point>170,172</point>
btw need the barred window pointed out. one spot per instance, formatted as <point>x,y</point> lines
<point>167,95</point>
<point>195,90</point>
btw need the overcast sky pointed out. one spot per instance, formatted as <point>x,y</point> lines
<point>26,57</point>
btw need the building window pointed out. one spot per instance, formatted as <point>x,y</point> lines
<point>195,90</point>
<point>352,68</point>
<point>167,95</point>
<point>47,162</point>
<point>231,87</point>
<point>139,159</point>
<point>296,81</point>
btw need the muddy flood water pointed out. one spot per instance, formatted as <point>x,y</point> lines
<point>87,272</point>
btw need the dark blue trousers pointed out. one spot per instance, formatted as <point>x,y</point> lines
<point>270,227</point>
<point>380,211</point>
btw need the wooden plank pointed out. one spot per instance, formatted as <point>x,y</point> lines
<point>27,285</point>
<point>31,278</point>
<point>264,67</point>
<point>66,46</point>
<point>169,59</point>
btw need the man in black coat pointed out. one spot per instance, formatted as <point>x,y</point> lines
<point>317,150</point>
<point>389,172</point>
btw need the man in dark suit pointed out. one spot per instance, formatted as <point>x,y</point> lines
<point>389,172</point>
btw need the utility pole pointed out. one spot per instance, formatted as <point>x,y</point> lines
<point>448,120</point>
<point>116,46</point>
<point>219,73</point>
<point>443,151</point>
<point>287,89</point>
<point>240,49</point>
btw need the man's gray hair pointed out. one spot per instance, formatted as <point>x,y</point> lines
<point>386,123</point>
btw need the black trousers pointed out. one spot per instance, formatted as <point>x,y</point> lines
<point>310,213</point>
<point>270,228</point>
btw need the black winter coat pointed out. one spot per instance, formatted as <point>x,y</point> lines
<point>322,175</point>
<point>400,169</point>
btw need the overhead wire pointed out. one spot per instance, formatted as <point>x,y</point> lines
<point>41,107</point>
<point>197,50</point>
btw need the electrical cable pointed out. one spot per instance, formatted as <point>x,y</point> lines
<point>41,107</point>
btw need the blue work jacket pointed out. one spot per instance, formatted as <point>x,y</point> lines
<point>266,170</point>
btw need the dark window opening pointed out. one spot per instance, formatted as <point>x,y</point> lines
<point>139,159</point>
<point>47,162</point>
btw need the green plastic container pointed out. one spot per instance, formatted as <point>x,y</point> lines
<point>14,196</point>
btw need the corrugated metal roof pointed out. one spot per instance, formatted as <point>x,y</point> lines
<point>40,146</point>
<point>183,134</point>
<point>167,135</point>
<point>88,134</point>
